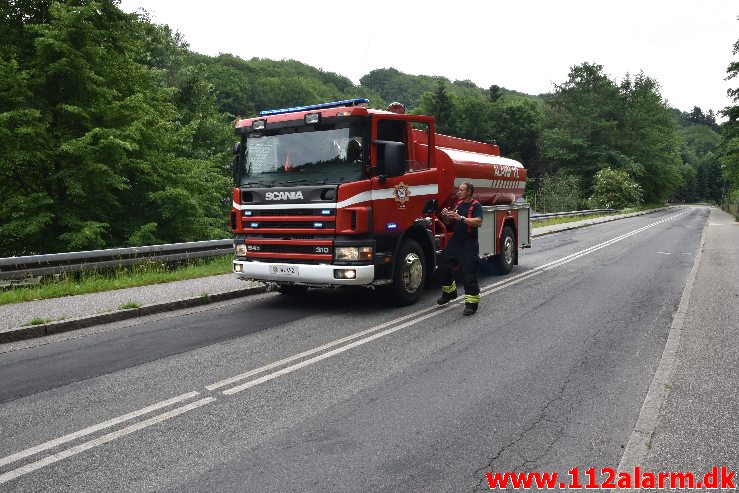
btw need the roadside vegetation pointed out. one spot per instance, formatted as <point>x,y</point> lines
<point>564,220</point>
<point>126,141</point>
<point>85,282</point>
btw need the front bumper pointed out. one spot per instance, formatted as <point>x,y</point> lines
<point>321,275</point>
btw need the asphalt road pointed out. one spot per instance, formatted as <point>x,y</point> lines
<point>550,374</point>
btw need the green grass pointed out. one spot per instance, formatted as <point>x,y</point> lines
<point>123,277</point>
<point>130,305</point>
<point>572,219</point>
<point>37,321</point>
<point>564,220</point>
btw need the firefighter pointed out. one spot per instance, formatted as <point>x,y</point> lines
<point>463,249</point>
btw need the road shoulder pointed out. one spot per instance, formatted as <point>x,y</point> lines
<point>694,425</point>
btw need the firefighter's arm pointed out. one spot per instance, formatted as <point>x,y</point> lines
<point>475,222</point>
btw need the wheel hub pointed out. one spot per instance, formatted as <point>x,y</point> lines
<point>412,272</point>
<point>508,250</point>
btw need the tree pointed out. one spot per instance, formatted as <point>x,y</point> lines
<point>583,121</point>
<point>495,92</point>
<point>516,125</point>
<point>440,105</point>
<point>730,132</point>
<point>615,189</point>
<point>106,138</point>
<point>649,138</point>
<point>592,124</point>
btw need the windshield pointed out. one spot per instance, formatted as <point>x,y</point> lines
<point>304,155</point>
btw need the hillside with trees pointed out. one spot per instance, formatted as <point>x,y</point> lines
<point>114,133</point>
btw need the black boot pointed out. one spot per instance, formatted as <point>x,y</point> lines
<point>446,298</point>
<point>469,309</point>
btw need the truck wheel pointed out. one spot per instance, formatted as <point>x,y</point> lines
<point>291,289</point>
<point>410,274</point>
<point>507,254</point>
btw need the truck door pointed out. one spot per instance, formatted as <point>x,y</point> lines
<point>398,201</point>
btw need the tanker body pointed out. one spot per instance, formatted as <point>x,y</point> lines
<point>338,194</point>
<point>497,180</point>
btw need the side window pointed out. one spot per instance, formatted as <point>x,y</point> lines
<point>393,131</point>
<point>419,152</point>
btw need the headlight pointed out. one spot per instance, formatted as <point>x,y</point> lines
<point>241,250</point>
<point>350,254</point>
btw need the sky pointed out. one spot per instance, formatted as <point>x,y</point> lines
<point>525,45</point>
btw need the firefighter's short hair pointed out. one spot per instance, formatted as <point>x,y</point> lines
<point>470,187</point>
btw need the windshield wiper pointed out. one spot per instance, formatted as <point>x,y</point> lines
<point>256,183</point>
<point>305,180</point>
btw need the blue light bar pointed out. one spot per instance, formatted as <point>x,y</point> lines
<point>317,225</point>
<point>346,102</point>
<point>391,225</point>
<point>326,212</point>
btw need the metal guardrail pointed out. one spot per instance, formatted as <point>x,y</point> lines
<point>539,217</point>
<point>31,266</point>
<point>17,271</point>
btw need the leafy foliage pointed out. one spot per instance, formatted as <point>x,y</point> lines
<point>95,134</point>
<point>730,135</point>
<point>615,189</point>
<point>113,133</point>
<point>593,124</point>
<point>555,193</point>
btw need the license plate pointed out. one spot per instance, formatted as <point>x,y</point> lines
<point>284,270</point>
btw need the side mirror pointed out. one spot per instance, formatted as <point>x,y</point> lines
<point>393,158</point>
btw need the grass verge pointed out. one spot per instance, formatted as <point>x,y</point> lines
<point>123,277</point>
<point>572,219</point>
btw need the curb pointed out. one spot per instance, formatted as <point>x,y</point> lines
<point>599,220</point>
<point>42,330</point>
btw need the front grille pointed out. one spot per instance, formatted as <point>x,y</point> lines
<point>293,225</point>
<point>289,212</point>
<point>288,261</point>
<point>277,236</point>
<point>289,249</point>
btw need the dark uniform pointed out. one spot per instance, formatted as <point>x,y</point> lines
<point>463,249</point>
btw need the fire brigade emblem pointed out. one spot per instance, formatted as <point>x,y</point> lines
<point>401,194</point>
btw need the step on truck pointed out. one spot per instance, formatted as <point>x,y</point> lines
<point>338,194</point>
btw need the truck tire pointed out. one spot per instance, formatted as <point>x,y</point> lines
<point>292,289</point>
<point>410,274</point>
<point>504,260</point>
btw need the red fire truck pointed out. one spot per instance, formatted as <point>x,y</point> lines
<point>338,194</point>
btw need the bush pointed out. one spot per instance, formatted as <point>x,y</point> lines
<point>615,189</point>
<point>555,193</point>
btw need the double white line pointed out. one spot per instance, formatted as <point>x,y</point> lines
<point>321,353</point>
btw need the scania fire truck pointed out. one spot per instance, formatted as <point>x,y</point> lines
<point>338,194</point>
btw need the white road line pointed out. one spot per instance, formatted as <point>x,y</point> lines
<point>416,318</point>
<point>92,429</point>
<point>15,473</point>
